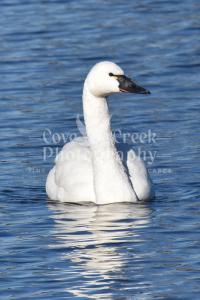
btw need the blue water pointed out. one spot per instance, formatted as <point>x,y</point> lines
<point>55,251</point>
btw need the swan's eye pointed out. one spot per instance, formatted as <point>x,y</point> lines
<point>111,74</point>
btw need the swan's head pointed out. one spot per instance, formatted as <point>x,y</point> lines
<point>106,78</point>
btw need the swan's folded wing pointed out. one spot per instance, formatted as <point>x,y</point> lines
<point>71,179</point>
<point>139,177</point>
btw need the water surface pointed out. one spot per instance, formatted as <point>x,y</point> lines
<point>55,251</point>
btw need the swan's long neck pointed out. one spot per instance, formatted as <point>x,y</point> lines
<point>110,180</point>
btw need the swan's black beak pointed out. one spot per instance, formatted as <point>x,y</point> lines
<point>127,85</point>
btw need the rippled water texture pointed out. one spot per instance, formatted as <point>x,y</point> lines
<point>55,251</point>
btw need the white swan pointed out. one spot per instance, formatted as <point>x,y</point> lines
<point>89,169</point>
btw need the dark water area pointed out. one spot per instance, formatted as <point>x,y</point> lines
<point>58,251</point>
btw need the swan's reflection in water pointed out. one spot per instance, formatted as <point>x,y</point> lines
<point>97,242</point>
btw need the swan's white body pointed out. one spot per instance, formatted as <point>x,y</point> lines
<point>89,169</point>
